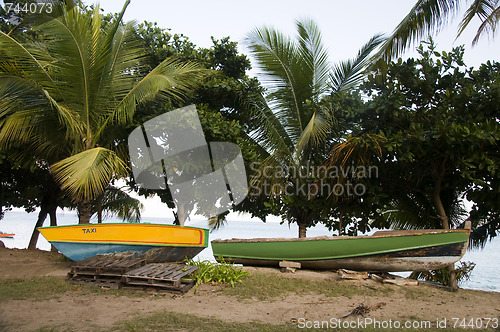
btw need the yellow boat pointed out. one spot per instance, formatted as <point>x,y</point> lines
<point>157,242</point>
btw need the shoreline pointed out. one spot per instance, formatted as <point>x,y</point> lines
<point>484,277</point>
<point>267,297</point>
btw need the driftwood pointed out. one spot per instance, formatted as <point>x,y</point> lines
<point>362,310</point>
<point>352,275</point>
<point>394,280</point>
<point>288,266</point>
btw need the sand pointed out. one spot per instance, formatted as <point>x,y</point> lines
<point>89,312</point>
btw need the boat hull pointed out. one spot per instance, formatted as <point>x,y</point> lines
<point>154,242</point>
<point>383,253</point>
<point>6,236</point>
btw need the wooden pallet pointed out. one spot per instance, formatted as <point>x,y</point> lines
<point>162,275</point>
<point>104,267</point>
<point>106,283</point>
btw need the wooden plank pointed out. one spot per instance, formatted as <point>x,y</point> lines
<point>112,284</point>
<point>161,275</point>
<point>352,275</point>
<point>103,268</point>
<point>181,273</point>
<point>159,270</point>
<point>139,270</point>
<point>182,287</point>
<point>294,265</point>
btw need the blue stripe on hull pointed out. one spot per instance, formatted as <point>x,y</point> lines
<point>81,251</point>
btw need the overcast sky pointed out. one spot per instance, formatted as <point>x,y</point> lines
<point>345,25</point>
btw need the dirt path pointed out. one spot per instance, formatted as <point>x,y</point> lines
<point>75,310</point>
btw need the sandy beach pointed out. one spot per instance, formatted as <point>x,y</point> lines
<point>77,309</point>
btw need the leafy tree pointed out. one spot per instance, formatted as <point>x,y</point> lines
<point>222,99</point>
<point>295,122</point>
<point>438,128</point>
<point>69,97</point>
<point>429,16</point>
<point>29,185</point>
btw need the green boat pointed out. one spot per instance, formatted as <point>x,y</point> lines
<point>384,251</point>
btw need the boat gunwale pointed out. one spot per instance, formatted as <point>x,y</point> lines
<point>122,224</point>
<point>154,244</point>
<point>343,237</point>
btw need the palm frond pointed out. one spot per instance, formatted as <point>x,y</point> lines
<point>85,175</point>
<point>480,8</point>
<point>425,18</point>
<point>315,56</point>
<point>216,222</point>
<point>315,133</point>
<point>172,77</point>
<point>117,202</point>
<point>350,73</point>
<point>356,149</point>
<point>271,134</point>
<point>411,211</point>
<point>28,60</point>
<point>278,58</point>
<point>489,24</point>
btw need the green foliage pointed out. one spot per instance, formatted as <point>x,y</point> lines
<point>462,272</point>
<point>116,201</point>
<point>103,64</point>
<point>437,128</point>
<point>297,126</point>
<point>220,273</point>
<point>430,16</point>
<point>222,99</point>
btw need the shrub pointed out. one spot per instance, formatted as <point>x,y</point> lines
<point>463,273</point>
<point>220,273</point>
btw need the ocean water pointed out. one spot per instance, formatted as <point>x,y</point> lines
<point>484,277</point>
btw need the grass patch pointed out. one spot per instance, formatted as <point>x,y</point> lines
<point>418,293</point>
<point>45,288</point>
<point>36,288</point>
<point>264,287</point>
<point>170,321</point>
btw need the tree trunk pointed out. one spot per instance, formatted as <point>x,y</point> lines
<point>302,229</point>
<point>99,209</point>
<point>445,224</point>
<point>440,209</point>
<point>84,212</point>
<point>53,222</point>
<point>1,201</point>
<point>39,223</point>
<point>48,206</point>
<point>340,223</point>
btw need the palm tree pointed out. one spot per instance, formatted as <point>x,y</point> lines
<point>116,201</point>
<point>69,94</point>
<point>429,16</point>
<point>295,121</point>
